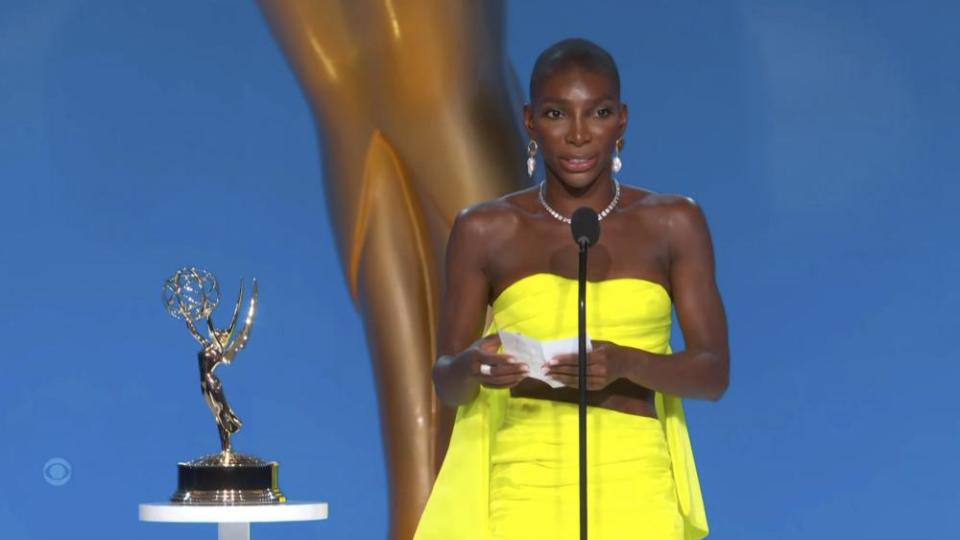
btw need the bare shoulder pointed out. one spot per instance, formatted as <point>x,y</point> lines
<point>480,231</point>
<point>494,219</point>
<point>670,209</point>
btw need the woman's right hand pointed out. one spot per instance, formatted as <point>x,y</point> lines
<point>493,369</point>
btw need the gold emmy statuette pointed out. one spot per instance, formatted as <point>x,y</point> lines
<point>418,111</point>
<point>226,477</point>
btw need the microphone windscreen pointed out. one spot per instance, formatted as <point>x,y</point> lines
<point>585,225</point>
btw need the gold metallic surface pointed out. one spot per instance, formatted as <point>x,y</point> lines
<point>224,478</point>
<point>417,110</point>
<point>221,348</point>
<point>192,294</point>
<point>229,497</point>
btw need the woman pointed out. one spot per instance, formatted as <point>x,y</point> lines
<point>511,468</point>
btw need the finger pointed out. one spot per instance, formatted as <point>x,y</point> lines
<point>497,359</point>
<point>563,359</point>
<point>568,371</point>
<point>490,343</point>
<point>504,370</point>
<point>490,370</point>
<point>573,359</point>
<point>504,381</point>
<point>593,370</point>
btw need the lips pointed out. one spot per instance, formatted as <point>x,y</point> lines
<point>577,164</point>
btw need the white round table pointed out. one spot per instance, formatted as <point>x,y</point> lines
<point>233,522</point>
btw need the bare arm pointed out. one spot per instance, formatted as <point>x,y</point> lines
<point>457,375</point>
<point>702,370</point>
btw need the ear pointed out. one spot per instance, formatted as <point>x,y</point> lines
<point>528,119</point>
<point>622,123</point>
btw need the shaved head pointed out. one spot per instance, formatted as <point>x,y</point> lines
<point>572,53</point>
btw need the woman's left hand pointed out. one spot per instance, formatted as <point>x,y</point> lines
<point>604,365</point>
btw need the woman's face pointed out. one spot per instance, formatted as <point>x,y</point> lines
<point>576,119</point>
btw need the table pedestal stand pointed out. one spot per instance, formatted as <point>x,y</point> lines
<point>233,522</point>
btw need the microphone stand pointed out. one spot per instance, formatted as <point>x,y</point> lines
<point>582,378</point>
<point>585,226</point>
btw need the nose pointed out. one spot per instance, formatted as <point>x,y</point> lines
<point>578,135</point>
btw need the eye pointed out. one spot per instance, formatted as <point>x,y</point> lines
<point>604,112</point>
<point>552,113</point>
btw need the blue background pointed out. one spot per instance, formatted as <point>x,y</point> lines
<point>820,138</point>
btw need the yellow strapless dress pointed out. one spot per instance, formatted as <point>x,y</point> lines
<point>511,467</point>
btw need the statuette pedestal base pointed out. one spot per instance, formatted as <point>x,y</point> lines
<point>227,478</point>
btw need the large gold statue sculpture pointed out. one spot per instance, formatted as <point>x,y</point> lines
<point>417,109</point>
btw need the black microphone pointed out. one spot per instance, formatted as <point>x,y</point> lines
<point>585,225</point>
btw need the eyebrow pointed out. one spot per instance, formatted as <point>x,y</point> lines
<point>566,101</point>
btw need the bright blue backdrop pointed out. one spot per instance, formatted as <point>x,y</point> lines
<point>820,137</point>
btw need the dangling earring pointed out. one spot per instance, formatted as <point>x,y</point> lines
<point>617,162</point>
<point>531,157</point>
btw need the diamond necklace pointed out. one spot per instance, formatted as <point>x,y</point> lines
<point>561,217</point>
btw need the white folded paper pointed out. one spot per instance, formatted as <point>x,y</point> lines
<point>535,353</point>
